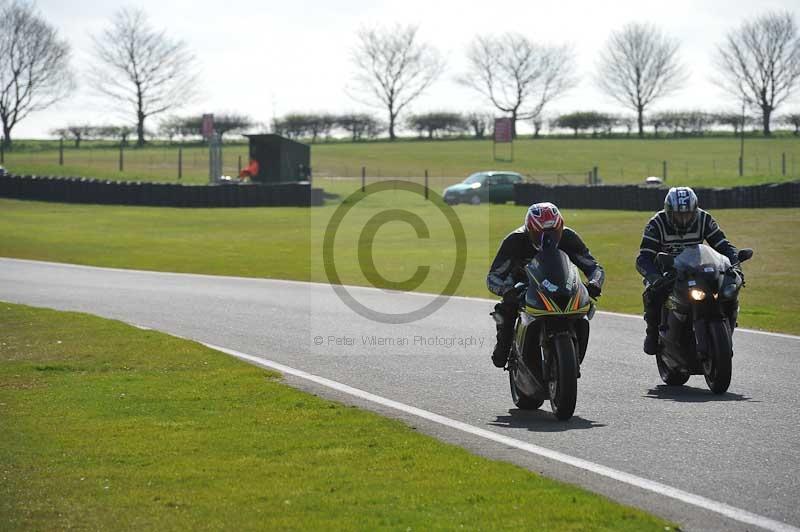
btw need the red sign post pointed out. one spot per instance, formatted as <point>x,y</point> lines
<point>503,133</point>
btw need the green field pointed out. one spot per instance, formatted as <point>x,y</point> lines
<point>287,243</point>
<point>108,427</point>
<point>709,161</point>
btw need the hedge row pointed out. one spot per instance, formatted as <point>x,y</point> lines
<point>83,190</point>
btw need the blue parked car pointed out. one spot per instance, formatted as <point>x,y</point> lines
<point>481,187</point>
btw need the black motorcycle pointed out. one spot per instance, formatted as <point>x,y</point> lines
<point>698,317</point>
<point>551,334</point>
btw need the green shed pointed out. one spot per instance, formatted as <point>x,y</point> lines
<point>280,160</point>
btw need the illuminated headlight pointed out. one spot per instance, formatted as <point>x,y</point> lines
<point>697,295</point>
<point>475,185</point>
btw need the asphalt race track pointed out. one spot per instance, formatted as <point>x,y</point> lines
<point>728,462</point>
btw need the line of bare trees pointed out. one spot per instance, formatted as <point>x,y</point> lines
<point>758,63</point>
<point>142,71</point>
<point>138,69</point>
<point>674,122</point>
<point>78,133</point>
<point>322,126</point>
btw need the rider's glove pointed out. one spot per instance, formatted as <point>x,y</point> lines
<point>594,289</point>
<point>515,292</point>
<point>655,282</point>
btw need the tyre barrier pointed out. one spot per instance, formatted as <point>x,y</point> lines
<point>97,191</point>
<point>649,198</point>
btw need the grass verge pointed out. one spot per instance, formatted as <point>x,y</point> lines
<point>109,427</point>
<point>286,243</point>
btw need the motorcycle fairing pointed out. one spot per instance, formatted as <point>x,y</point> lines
<point>554,286</point>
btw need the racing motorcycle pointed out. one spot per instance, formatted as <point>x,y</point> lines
<point>698,316</point>
<point>551,334</point>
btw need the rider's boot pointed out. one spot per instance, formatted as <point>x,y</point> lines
<point>651,336</point>
<point>505,333</point>
<point>652,316</point>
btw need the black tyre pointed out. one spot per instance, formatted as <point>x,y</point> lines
<point>521,400</point>
<point>719,366</point>
<point>670,377</point>
<point>563,385</point>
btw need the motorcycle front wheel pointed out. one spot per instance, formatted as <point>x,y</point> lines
<point>563,385</point>
<point>719,365</point>
<point>670,377</point>
<point>521,400</point>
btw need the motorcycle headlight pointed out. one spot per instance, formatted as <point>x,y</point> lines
<point>696,294</point>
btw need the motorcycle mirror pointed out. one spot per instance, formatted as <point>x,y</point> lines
<point>745,254</point>
<point>665,261</point>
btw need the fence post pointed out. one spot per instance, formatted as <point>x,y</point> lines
<point>783,163</point>
<point>594,175</point>
<point>239,171</point>
<point>363,178</point>
<point>180,162</point>
<point>60,152</point>
<point>121,158</point>
<point>664,170</point>
<point>426,184</point>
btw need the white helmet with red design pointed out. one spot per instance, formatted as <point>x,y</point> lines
<point>544,220</point>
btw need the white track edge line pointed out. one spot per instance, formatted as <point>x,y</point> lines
<point>348,286</point>
<point>726,510</point>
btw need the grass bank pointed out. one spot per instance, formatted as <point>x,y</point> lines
<point>693,161</point>
<point>287,243</point>
<point>108,427</point>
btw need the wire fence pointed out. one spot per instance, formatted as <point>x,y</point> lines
<point>191,165</point>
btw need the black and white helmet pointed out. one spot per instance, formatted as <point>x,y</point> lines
<point>680,205</point>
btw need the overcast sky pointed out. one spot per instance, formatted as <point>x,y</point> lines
<point>300,50</point>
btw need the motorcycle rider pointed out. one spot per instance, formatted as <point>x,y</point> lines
<point>681,223</point>
<point>543,220</point>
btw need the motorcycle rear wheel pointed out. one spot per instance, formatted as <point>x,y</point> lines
<point>670,377</point>
<point>719,366</point>
<point>563,385</point>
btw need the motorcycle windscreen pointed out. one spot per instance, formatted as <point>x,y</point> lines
<point>701,257</point>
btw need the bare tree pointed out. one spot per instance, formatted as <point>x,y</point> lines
<point>479,122</point>
<point>78,132</point>
<point>34,65</point>
<point>761,61</point>
<point>792,119</point>
<point>143,68</point>
<point>393,69</point>
<point>518,76</point>
<point>638,65</point>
